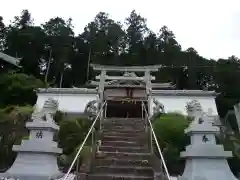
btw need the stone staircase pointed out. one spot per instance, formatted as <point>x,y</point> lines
<point>123,152</point>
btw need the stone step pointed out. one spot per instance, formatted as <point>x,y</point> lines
<point>123,134</point>
<point>123,126</point>
<point>127,128</point>
<point>123,155</point>
<point>135,131</point>
<point>124,149</point>
<point>121,162</point>
<point>129,121</point>
<point>130,170</point>
<point>125,122</point>
<point>123,119</point>
<point>123,143</point>
<point>70,177</point>
<point>124,138</point>
<point>103,176</point>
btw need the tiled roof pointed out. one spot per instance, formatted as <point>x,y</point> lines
<point>67,90</point>
<point>10,59</point>
<point>184,93</point>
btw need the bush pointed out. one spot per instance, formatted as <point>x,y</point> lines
<point>18,89</point>
<point>169,129</point>
<point>12,130</point>
<point>72,133</point>
<point>70,137</point>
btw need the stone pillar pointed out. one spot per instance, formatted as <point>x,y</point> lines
<point>101,86</point>
<point>147,77</point>
<point>205,160</point>
<point>37,156</point>
<point>101,93</point>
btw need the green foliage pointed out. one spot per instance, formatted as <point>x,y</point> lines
<point>59,116</point>
<point>66,160</point>
<point>12,130</point>
<point>70,137</point>
<point>72,133</point>
<point>18,88</point>
<point>169,129</point>
<point>174,163</point>
<point>231,142</point>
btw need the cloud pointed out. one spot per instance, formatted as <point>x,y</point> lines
<point>210,26</point>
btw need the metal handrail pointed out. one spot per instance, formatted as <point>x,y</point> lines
<point>156,141</point>
<point>83,143</point>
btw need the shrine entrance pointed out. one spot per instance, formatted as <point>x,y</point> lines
<point>124,109</point>
<point>124,93</point>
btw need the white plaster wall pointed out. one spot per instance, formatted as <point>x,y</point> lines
<point>178,103</point>
<point>75,103</point>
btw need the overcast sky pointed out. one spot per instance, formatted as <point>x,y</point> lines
<point>212,27</point>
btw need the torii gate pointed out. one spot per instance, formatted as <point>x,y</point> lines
<point>147,78</point>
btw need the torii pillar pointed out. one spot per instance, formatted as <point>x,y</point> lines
<point>101,92</point>
<point>147,77</point>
